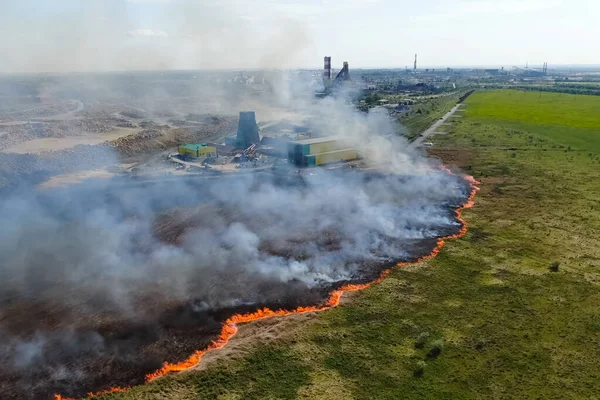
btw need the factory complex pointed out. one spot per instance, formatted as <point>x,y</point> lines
<point>275,143</point>
<point>247,149</point>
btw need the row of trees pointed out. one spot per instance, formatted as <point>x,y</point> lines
<point>592,90</point>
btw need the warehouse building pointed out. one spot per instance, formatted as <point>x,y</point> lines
<point>319,151</point>
<point>197,150</point>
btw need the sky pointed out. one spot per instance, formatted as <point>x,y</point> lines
<point>109,35</point>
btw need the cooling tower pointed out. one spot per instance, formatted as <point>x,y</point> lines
<point>247,133</point>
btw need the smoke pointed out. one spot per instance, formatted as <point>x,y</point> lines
<point>88,258</point>
<point>103,281</point>
<point>117,35</point>
<point>65,238</point>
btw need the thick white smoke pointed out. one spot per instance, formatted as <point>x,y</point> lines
<point>106,251</point>
<point>89,260</point>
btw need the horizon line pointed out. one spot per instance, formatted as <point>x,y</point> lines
<point>312,68</point>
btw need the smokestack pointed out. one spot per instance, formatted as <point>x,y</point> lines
<point>247,133</point>
<point>327,68</point>
<point>346,70</point>
<point>415,61</point>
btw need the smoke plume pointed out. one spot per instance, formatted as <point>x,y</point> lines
<point>102,281</point>
<point>105,269</point>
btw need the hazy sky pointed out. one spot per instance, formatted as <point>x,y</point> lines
<point>89,35</point>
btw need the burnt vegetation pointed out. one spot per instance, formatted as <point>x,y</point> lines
<point>185,263</point>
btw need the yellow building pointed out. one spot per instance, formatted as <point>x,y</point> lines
<point>197,150</point>
<point>323,150</point>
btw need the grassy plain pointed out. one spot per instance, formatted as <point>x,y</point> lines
<point>510,327</point>
<point>570,120</point>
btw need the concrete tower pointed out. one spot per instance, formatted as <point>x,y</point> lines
<point>247,133</point>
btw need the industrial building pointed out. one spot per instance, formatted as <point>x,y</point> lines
<point>341,79</point>
<point>198,150</point>
<point>319,151</point>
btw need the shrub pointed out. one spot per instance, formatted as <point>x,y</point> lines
<point>421,340</point>
<point>480,344</point>
<point>420,369</point>
<point>436,349</point>
<point>554,266</point>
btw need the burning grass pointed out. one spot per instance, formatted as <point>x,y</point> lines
<point>530,335</point>
<point>230,326</point>
<point>239,261</point>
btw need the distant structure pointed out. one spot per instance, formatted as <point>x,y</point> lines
<point>247,133</point>
<point>327,68</point>
<point>341,80</point>
<point>545,68</point>
<point>415,68</point>
<point>344,74</point>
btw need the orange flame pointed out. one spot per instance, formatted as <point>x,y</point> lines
<point>229,328</point>
<point>90,394</point>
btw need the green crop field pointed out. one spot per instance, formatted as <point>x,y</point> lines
<point>510,311</point>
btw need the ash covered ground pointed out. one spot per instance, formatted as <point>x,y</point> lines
<point>104,281</point>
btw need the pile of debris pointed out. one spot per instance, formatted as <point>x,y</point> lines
<point>15,134</point>
<point>160,138</point>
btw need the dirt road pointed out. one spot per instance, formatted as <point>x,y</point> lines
<point>433,128</point>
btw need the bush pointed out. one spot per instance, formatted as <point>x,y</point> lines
<point>420,370</point>
<point>436,349</point>
<point>421,340</point>
<point>554,266</point>
<point>480,344</point>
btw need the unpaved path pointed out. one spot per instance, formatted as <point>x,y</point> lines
<point>431,130</point>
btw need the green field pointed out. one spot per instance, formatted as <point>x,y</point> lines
<point>570,120</point>
<point>508,326</point>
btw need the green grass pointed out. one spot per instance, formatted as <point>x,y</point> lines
<point>511,328</point>
<point>570,120</point>
<point>270,372</point>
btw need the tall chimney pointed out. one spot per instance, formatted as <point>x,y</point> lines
<point>327,68</point>
<point>415,61</point>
